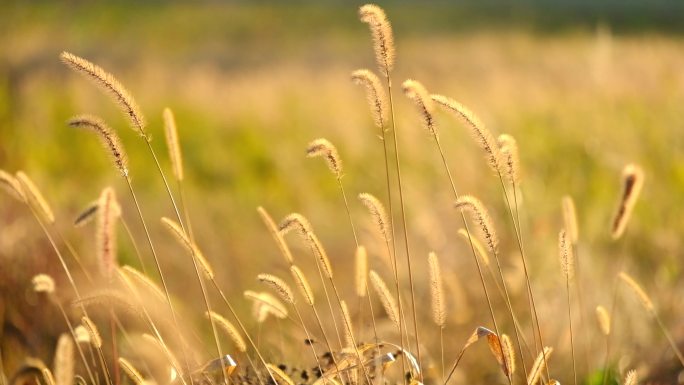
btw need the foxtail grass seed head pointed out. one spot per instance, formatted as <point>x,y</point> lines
<point>539,365</point>
<point>35,197</point>
<point>12,186</point>
<point>479,249</point>
<point>64,360</point>
<point>639,291</point>
<point>346,319</point>
<point>603,319</point>
<point>375,93</point>
<point>379,214</point>
<point>481,134</point>
<point>510,158</point>
<point>388,302</point>
<point>565,254</point>
<point>109,139</point>
<point>94,334</point>
<point>144,281</point>
<point>509,355</point>
<point>110,85</point>
<point>631,378</point>
<point>417,93</point>
<point>323,148</point>
<point>270,303</point>
<point>302,284</point>
<point>82,335</point>
<point>361,269</point>
<point>279,375</point>
<point>87,215</point>
<point>632,183</point>
<point>106,232</point>
<point>48,377</point>
<point>171,134</point>
<point>383,39</point>
<point>43,283</point>
<point>277,236</point>
<point>132,373</point>
<point>230,330</point>
<point>280,287</point>
<point>297,222</point>
<point>177,231</point>
<point>481,216</point>
<point>436,291</point>
<point>570,218</point>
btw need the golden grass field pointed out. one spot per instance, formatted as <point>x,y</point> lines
<point>249,91</point>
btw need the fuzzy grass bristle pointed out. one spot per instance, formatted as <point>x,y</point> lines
<point>603,319</point>
<point>12,186</point>
<point>570,218</point>
<point>565,254</point>
<point>35,197</point>
<point>479,249</point>
<point>375,93</point>
<point>389,303</point>
<point>132,373</point>
<point>64,360</point>
<point>106,232</point>
<point>638,290</point>
<point>378,212</point>
<point>509,355</point>
<point>539,364</point>
<point>436,291</point>
<point>280,287</point>
<point>417,93</point>
<point>361,271</point>
<point>324,148</point>
<point>43,283</point>
<point>346,319</point>
<point>631,378</point>
<point>383,38</point>
<point>171,135</point>
<point>478,130</point>
<point>299,223</point>
<point>271,303</point>
<point>230,330</point>
<point>302,284</point>
<point>109,139</point>
<point>94,334</point>
<point>110,85</point>
<point>145,282</point>
<point>632,183</point>
<point>510,157</point>
<point>481,216</point>
<point>277,236</point>
<point>177,231</point>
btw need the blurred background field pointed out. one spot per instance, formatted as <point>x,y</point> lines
<point>585,88</point>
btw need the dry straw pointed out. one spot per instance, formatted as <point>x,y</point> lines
<point>508,148</point>
<point>479,249</point>
<point>106,232</point>
<point>323,148</point>
<point>43,283</point>
<point>538,366</point>
<point>280,287</point>
<point>110,85</point>
<point>570,218</point>
<point>388,302</point>
<point>12,186</point>
<point>415,91</point>
<point>180,235</point>
<point>603,319</point>
<point>64,360</point>
<point>375,93</point>
<point>302,284</point>
<point>297,222</point>
<point>383,40</point>
<point>379,214</point>
<point>436,291</point>
<point>480,214</point>
<point>171,135</point>
<point>110,141</point>
<point>131,371</point>
<point>632,183</point>
<point>230,330</point>
<point>565,254</point>
<point>35,197</point>
<point>361,270</point>
<point>90,327</point>
<point>482,135</point>
<point>277,236</point>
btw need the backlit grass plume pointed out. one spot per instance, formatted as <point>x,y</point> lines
<point>177,231</point>
<point>303,285</point>
<point>436,291</point>
<point>230,330</point>
<point>379,214</point>
<point>481,216</point>
<point>570,218</point>
<point>35,197</point>
<point>110,85</point>
<point>171,135</point>
<point>10,184</point>
<point>510,158</point>
<point>277,236</point>
<point>481,134</point>
<point>632,182</point>
<point>383,39</point>
<point>108,137</point>
<point>361,271</point>
<point>105,233</point>
<point>297,222</point>
<point>389,303</point>
<point>415,91</point>
<point>322,147</point>
<point>375,93</point>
